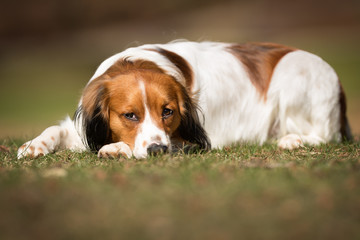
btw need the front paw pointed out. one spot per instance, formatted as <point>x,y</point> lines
<point>33,149</point>
<point>290,142</point>
<point>115,150</point>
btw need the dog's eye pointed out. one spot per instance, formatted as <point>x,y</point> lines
<point>131,116</point>
<point>167,113</point>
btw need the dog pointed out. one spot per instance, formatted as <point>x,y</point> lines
<point>160,98</point>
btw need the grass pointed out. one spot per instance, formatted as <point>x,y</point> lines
<point>240,192</point>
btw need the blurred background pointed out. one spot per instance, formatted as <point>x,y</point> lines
<point>49,49</point>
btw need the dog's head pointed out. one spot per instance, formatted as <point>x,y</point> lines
<point>138,104</point>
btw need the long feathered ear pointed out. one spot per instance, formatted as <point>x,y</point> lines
<point>190,128</point>
<point>94,115</point>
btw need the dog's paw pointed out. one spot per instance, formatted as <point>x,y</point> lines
<point>115,150</point>
<point>34,148</point>
<point>290,141</point>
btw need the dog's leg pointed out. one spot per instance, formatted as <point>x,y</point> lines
<point>115,150</point>
<point>309,100</point>
<point>292,141</point>
<point>47,142</point>
<point>53,139</point>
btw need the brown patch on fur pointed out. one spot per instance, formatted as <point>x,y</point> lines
<point>157,138</point>
<point>180,63</point>
<point>125,66</point>
<point>260,59</point>
<point>44,143</point>
<point>40,151</point>
<point>52,138</point>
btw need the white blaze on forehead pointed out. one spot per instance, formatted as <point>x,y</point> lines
<point>148,132</point>
<point>143,92</point>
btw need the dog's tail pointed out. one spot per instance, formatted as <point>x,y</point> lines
<point>345,129</point>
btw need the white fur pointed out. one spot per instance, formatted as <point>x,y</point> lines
<point>53,139</point>
<point>301,107</point>
<point>114,150</point>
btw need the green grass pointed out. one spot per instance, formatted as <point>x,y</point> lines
<point>241,192</point>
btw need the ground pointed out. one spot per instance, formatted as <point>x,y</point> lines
<point>244,191</point>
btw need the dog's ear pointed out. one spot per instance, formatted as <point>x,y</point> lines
<point>190,128</point>
<point>94,115</point>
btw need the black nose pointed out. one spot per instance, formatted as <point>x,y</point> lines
<point>155,149</point>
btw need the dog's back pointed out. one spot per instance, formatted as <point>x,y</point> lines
<point>257,92</point>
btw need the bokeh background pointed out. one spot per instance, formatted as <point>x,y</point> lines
<point>50,48</point>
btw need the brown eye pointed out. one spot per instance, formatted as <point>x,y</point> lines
<point>131,116</point>
<point>167,113</point>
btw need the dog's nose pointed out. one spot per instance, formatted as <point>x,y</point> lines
<point>155,149</point>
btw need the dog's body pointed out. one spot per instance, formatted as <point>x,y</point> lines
<point>160,97</point>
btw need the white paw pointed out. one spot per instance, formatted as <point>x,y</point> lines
<point>34,148</point>
<point>290,141</point>
<point>115,150</point>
